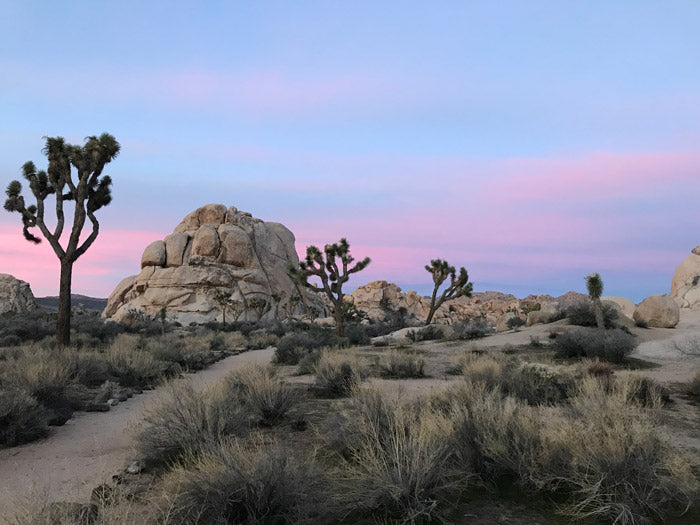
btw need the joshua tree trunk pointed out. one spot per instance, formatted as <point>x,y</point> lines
<point>338,316</point>
<point>598,310</point>
<point>64,304</point>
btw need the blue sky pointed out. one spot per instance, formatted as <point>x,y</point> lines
<point>531,142</point>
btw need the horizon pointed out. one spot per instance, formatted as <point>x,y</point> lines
<point>532,144</point>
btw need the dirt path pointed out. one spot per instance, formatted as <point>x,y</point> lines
<point>89,448</point>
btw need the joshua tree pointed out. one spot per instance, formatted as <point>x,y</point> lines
<point>595,289</point>
<point>333,272</point>
<point>459,285</point>
<point>224,300</point>
<point>89,192</point>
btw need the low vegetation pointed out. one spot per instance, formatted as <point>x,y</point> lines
<point>608,345</point>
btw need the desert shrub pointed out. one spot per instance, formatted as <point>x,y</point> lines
<point>356,334</point>
<point>227,341</point>
<point>495,437</point>
<point>598,368</point>
<point>264,394</point>
<point>694,385</point>
<point>398,365</point>
<point>337,372</point>
<point>583,314</point>
<point>398,459</point>
<point>10,340</point>
<point>292,347</point>
<point>236,482</point>
<point>31,326</point>
<point>514,323</point>
<point>472,329</point>
<point>618,466</point>
<point>257,340</point>
<point>609,345</point>
<point>645,391</point>
<point>91,368</point>
<point>431,333</point>
<point>134,366</point>
<point>22,418</point>
<point>307,364</point>
<point>295,345</point>
<point>641,323</point>
<point>181,420</point>
<point>97,329</point>
<point>46,375</point>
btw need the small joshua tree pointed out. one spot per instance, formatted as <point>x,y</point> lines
<point>459,285</point>
<point>334,270</point>
<point>595,289</point>
<point>224,299</point>
<point>89,192</point>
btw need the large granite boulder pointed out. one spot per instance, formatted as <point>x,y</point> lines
<point>214,249</point>
<point>685,285</point>
<point>623,305</point>
<point>15,296</point>
<point>659,311</point>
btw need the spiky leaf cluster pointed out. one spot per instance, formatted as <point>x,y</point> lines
<point>87,187</point>
<point>332,267</point>
<point>594,284</point>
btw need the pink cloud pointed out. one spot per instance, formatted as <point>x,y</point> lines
<point>602,175</point>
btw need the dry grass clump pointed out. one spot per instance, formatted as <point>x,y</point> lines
<point>401,364</point>
<point>603,453</point>
<point>338,372</point>
<point>22,419</point>
<point>397,462</point>
<point>261,391</point>
<point>182,420</point>
<point>237,482</point>
<point>133,365</point>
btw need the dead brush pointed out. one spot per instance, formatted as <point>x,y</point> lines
<point>339,372</point>
<point>242,482</point>
<point>401,364</point>
<point>262,392</point>
<point>399,458</point>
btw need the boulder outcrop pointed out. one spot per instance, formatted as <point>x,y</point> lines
<point>213,249</point>
<point>685,285</point>
<point>15,296</point>
<point>623,305</point>
<point>659,311</point>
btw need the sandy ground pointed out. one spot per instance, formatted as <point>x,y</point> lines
<point>89,448</point>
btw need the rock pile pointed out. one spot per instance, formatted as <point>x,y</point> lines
<point>213,249</point>
<point>15,296</point>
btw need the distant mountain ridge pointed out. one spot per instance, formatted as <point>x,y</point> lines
<point>50,304</point>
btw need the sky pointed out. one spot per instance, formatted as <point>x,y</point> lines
<point>531,142</point>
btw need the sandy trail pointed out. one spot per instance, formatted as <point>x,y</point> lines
<point>89,448</point>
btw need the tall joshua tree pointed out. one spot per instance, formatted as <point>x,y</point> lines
<point>333,271</point>
<point>595,289</point>
<point>88,190</point>
<point>459,285</point>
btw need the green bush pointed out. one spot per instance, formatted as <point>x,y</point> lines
<point>292,347</point>
<point>608,345</point>
<point>431,333</point>
<point>583,314</point>
<point>356,334</point>
<point>515,322</point>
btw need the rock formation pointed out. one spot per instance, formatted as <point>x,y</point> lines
<point>15,296</point>
<point>685,285</point>
<point>375,297</point>
<point>215,249</point>
<point>659,311</point>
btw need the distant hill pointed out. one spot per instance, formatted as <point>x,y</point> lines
<point>50,304</point>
